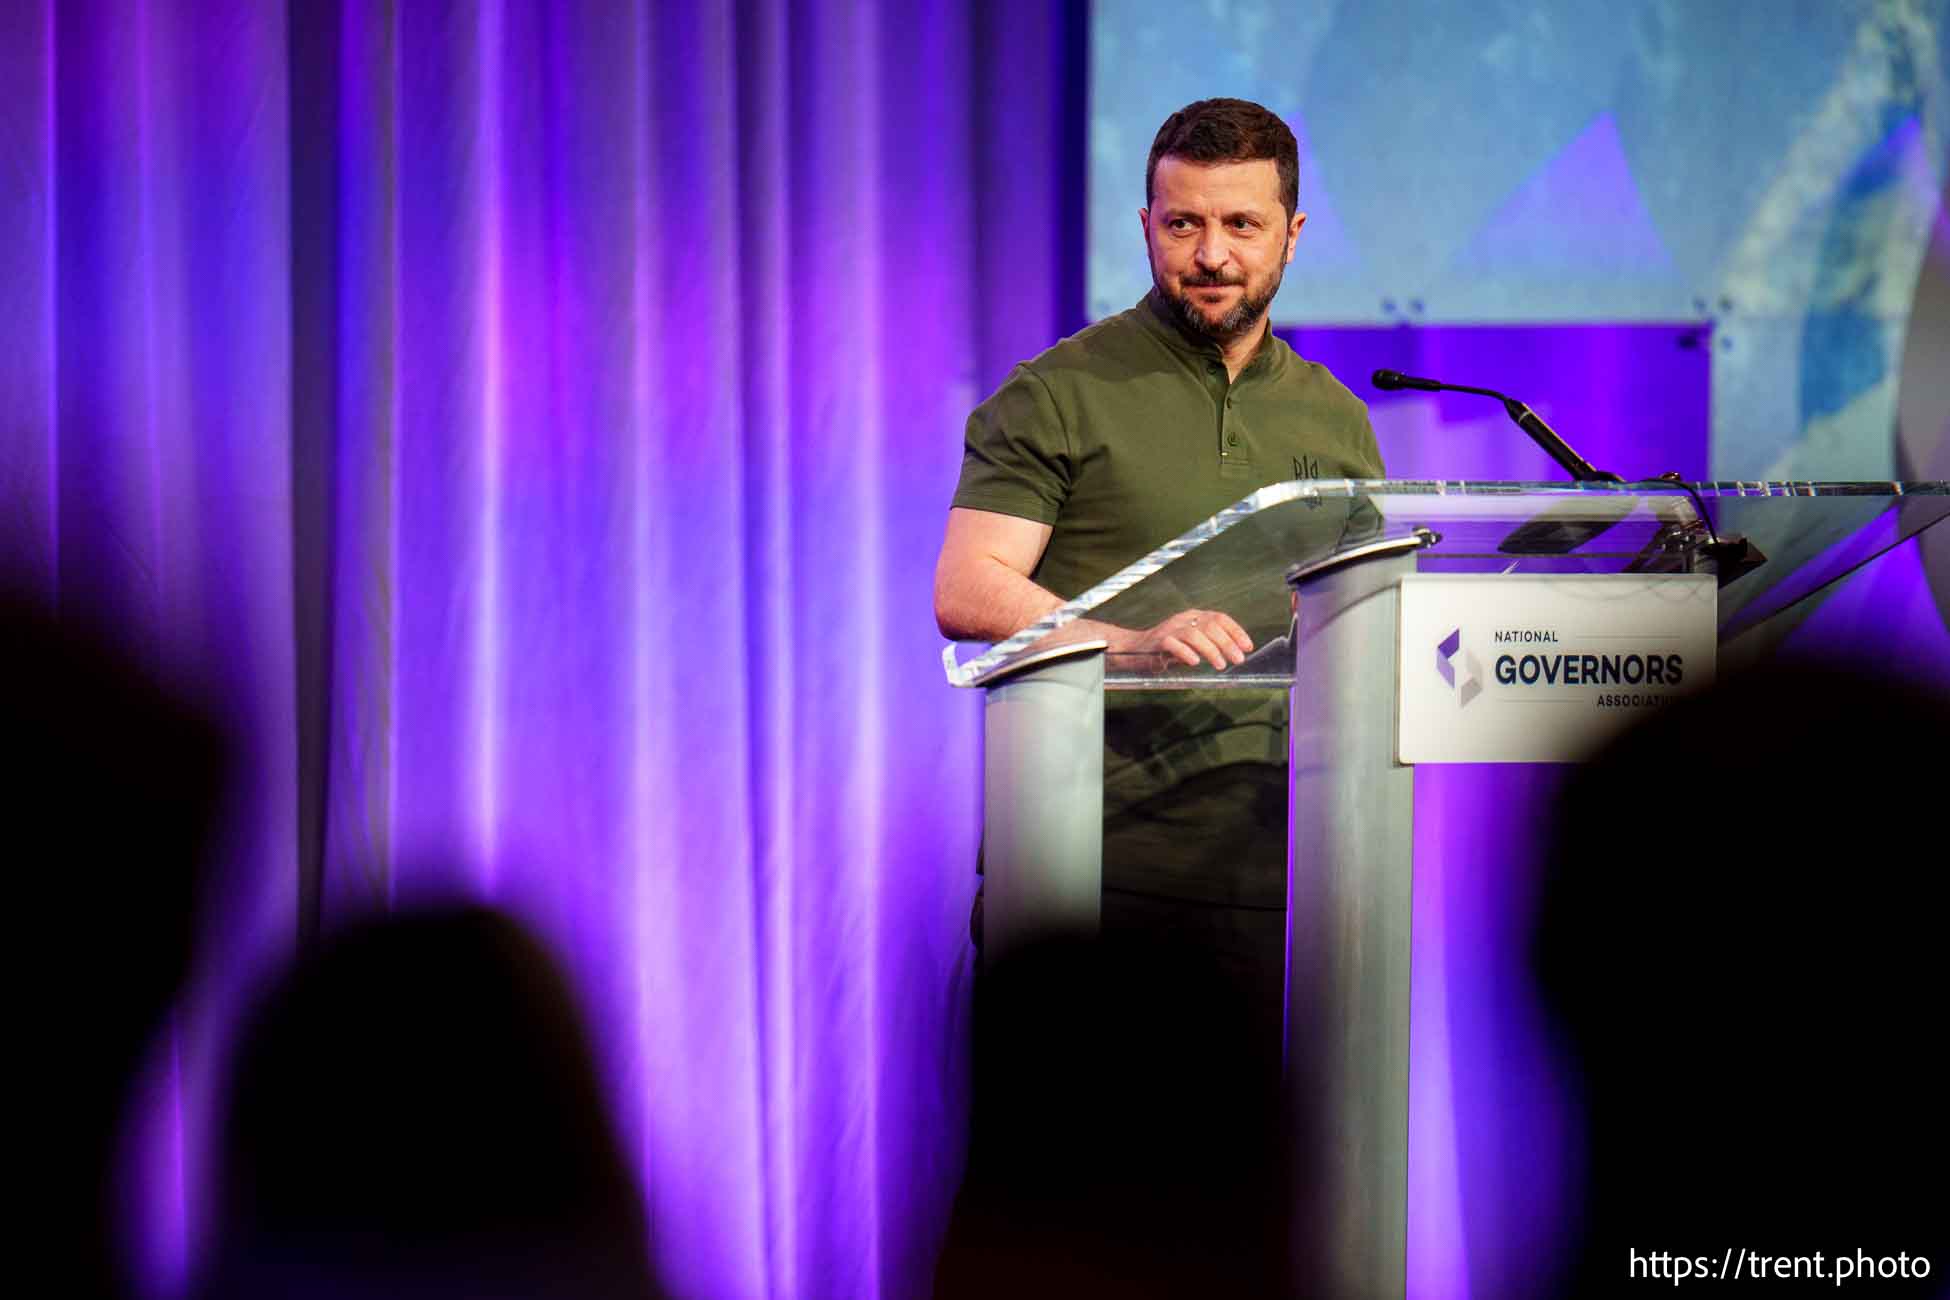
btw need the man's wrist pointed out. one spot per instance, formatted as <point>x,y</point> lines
<point>1117,638</point>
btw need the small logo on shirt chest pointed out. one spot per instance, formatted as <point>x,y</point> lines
<point>1306,467</point>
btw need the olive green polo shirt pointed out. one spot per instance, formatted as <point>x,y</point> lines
<point>1120,438</point>
<point>1123,436</point>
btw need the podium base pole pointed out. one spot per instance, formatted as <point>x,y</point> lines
<point>1043,819</point>
<point>1351,849</point>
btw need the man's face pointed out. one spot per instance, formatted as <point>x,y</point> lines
<point>1219,241</point>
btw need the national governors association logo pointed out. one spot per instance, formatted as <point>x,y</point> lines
<point>1596,648</point>
<point>1467,684</point>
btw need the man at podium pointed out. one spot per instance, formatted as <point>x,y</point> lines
<point>1118,439</point>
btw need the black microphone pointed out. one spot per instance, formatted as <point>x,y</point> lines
<point>1391,380</point>
<point>1526,419</point>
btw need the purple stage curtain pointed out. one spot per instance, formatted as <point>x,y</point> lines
<point>533,423</point>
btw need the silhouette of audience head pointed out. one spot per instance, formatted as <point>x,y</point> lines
<point>112,792</point>
<point>1741,939</point>
<point>415,1111</point>
<point>1125,1131</point>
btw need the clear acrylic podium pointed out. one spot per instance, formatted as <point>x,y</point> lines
<point>1313,570</point>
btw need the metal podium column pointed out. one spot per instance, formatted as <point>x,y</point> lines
<point>1351,846</point>
<point>1043,815</point>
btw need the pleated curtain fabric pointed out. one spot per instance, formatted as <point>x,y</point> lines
<point>532,425</point>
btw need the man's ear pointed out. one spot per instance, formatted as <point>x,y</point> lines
<point>1293,233</point>
<point>1144,223</point>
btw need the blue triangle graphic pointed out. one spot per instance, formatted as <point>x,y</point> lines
<point>1579,214</point>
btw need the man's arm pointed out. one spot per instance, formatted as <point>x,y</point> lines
<point>982,592</point>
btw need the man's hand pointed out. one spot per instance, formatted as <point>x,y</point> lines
<point>1191,636</point>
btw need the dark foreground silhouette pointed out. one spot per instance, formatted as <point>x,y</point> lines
<point>1743,941</point>
<point>414,1109</point>
<point>1125,1136</point>
<point>112,786</point>
<point>415,1112</point>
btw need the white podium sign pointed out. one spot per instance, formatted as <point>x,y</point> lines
<point>1544,669</point>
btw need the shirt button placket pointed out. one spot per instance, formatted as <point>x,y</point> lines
<point>1222,389</point>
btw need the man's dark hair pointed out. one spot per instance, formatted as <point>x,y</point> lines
<point>1226,131</point>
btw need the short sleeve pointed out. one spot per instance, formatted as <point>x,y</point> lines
<point>1016,453</point>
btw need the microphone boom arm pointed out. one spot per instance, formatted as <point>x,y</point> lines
<point>1526,419</point>
<point>1555,447</point>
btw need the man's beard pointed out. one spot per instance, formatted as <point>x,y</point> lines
<point>1243,317</point>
